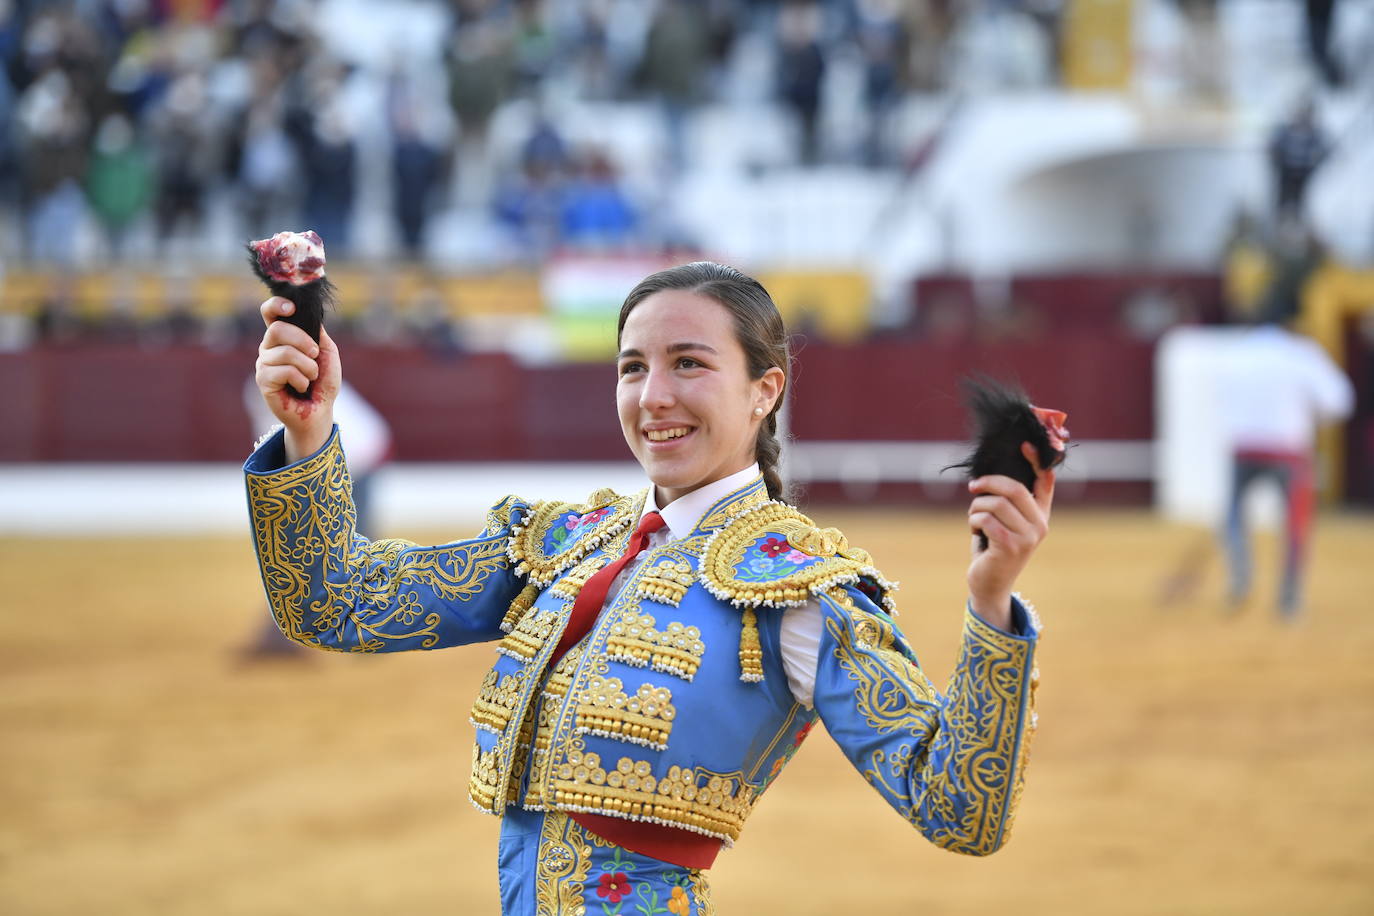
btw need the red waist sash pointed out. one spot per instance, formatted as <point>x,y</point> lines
<point>668,844</point>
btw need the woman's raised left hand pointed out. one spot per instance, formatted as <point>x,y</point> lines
<point>1015,521</point>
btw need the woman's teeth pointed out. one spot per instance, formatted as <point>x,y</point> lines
<point>663,435</point>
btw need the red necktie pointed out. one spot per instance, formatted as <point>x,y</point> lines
<point>593,593</point>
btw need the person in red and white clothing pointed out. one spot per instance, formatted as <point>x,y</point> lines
<point>1275,388</point>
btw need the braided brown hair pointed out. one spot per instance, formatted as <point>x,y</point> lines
<point>758,328</point>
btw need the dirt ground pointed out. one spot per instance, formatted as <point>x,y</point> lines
<point>1186,762</point>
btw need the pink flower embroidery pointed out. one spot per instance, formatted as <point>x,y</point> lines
<point>796,556</point>
<point>591,518</point>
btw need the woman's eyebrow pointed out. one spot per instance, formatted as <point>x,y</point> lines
<point>679,347</point>
<point>672,348</point>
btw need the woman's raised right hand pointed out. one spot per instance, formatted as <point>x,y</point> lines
<point>287,357</point>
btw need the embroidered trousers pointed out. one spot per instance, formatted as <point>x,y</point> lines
<point>551,866</point>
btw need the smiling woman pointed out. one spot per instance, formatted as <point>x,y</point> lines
<point>662,654</point>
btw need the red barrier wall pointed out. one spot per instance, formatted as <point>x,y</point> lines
<point>125,403</point>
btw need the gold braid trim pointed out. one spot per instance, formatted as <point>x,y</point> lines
<point>550,704</point>
<point>304,530</point>
<point>635,640</point>
<point>954,767</point>
<point>564,861</point>
<point>713,804</point>
<point>495,702</point>
<point>525,641</point>
<point>526,547</point>
<point>522,603</point>
<point>570,585</point>
<point>794,585</point>
<point>666,582</point>
<point>750,652</point>
<point>646,718</point>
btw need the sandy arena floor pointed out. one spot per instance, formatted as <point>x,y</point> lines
<point>1186,762</point>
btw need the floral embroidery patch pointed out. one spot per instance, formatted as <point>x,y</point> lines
<point>771,557</point>
<point>615,890</point>
<point>566,531</point>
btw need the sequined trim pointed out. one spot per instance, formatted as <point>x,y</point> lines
<point>635,640</point>
<point>570,584</point>
<point>519,607</point>
<point>546,718</point>
<point>709,803</point>
<point>666,582</point>
<point>533,631</point>
<point>565,859</point>
<point>495,701</point>
<point>646,718</point>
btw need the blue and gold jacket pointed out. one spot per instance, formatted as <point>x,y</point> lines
<point>675,707</point>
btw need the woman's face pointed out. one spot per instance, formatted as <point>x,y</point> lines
<point>685,399</point>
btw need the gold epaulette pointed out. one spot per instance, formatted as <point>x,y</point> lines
<point>555,535</point>
<point>771,555</point>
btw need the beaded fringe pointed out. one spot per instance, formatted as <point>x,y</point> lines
<point>750,651</point>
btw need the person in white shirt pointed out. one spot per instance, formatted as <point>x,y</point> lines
<point>1276,387</point>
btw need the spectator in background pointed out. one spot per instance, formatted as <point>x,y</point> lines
<point>119,181</point>
<point>480,72</point>
<point>1275,388</point>
<point>418,160</point>
<point>53,129</point>
<point>262,159</point>
<point>882,40</point>
<point>1297,149</point>
<point>675,58</point>
<point>596,213</point>
<point>186,150</point>
<point>324,135</point>
<point>535,46</point>
<point>801,67</point>
<point>530,202</point>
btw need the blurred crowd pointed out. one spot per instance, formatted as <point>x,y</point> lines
<point>157,135</point>
<point>140,116</point>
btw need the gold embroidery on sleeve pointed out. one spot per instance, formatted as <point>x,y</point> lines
<point>967,804</point>
<point>303,515</point>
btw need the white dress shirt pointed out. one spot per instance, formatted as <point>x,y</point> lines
<point>1276,387</point>
<point>801,626</point>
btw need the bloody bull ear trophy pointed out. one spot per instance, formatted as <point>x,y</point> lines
<point>292,266</point>
<point>1003,418</point>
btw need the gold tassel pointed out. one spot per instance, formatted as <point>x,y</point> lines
<point>750,652</point>
<point>522,603</point>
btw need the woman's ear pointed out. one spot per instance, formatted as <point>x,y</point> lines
<point>769,387</point>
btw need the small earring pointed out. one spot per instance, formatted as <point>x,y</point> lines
<point>758,411</point>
